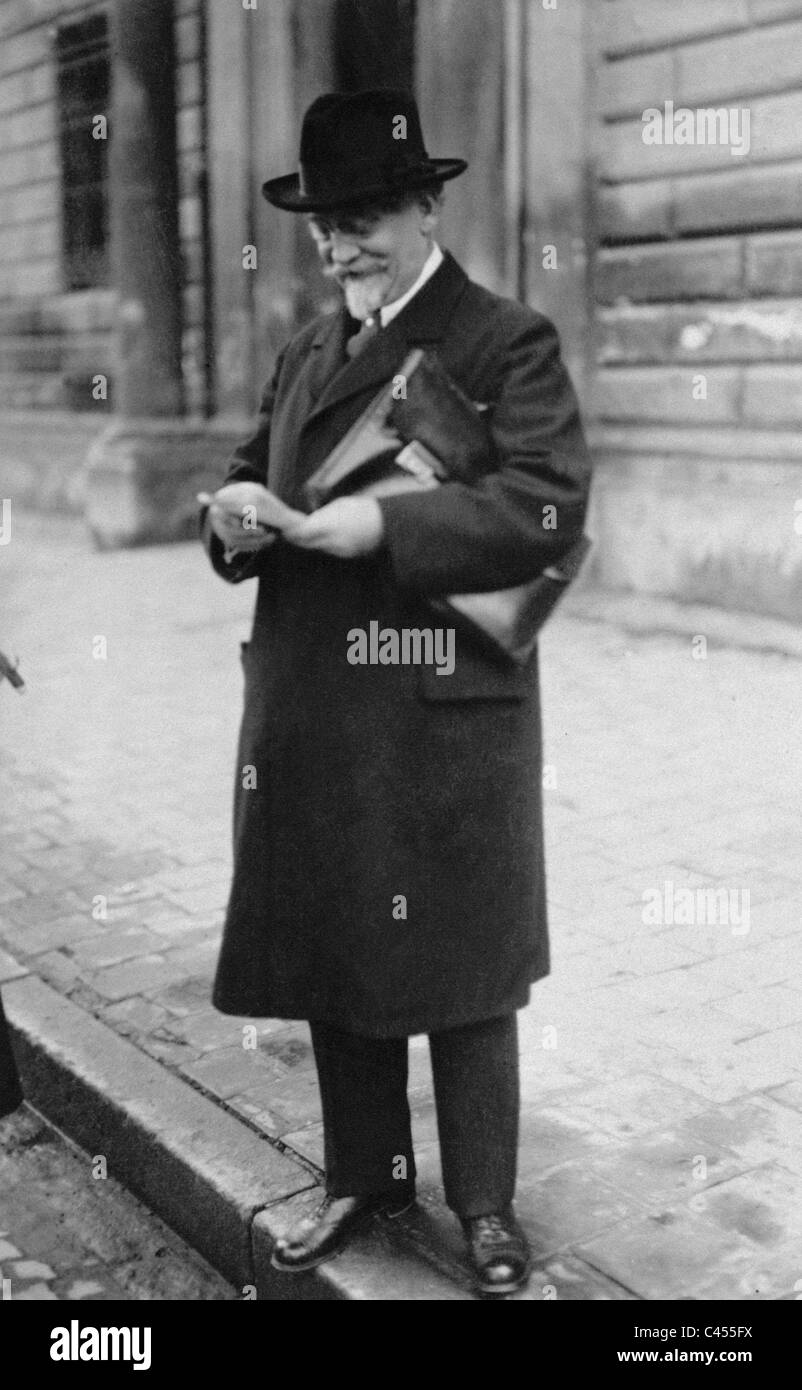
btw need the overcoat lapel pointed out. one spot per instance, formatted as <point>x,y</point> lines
<point>330,390</point>
<point>325,356</point>
<point>424,320</point>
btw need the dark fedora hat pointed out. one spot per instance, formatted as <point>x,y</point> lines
<point>357,147</point>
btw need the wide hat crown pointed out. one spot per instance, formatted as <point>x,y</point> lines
<point>357,147</point>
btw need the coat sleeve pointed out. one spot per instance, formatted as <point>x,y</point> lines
<point>247,464</point>
<point>524,516</point>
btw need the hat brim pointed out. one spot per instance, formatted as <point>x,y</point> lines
<point>285,192</point>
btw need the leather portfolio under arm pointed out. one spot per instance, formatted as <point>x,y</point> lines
<point>419,431</point>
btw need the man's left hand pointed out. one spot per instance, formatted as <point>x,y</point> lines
<point>347,527</point>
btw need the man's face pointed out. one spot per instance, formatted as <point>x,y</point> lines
<point>375,257</point>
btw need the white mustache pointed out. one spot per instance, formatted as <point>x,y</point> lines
<point>340,272</point>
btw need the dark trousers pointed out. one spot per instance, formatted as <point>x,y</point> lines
<point>366,1120</point>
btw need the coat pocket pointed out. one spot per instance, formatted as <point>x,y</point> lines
<point>477,678</point>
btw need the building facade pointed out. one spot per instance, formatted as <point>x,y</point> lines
<point>146,287</point>
<point>698,302</point>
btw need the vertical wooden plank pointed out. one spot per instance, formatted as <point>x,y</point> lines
<point>266,65</point>
<point>275,133</point>
<point>556,161</point>
<point>460,64</point>
<point>229,31</point>
<point>314,74</point>
<point>373,44</point>
<point>144,210</point>
<point>206,327</point>
<point>514,146</point>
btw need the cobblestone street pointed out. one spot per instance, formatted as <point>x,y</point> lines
<point>68,1233</point>
<point>662,1060</point>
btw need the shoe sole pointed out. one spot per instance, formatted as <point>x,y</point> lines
<point>332,1254</point>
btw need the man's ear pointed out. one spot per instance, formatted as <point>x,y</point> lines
<point>430,205</point>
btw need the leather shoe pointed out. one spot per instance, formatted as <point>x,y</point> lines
<point>329,1229</point>
<point>498,1252</point>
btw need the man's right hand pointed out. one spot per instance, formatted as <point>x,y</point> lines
<point>246,516</point>
<point>229,528</point>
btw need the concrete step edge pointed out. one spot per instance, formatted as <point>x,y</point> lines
<point>222,1187</point>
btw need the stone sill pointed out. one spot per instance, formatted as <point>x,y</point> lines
<point>135,480</point>
<point>729,442</point>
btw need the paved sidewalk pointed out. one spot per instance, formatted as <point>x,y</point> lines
<point>662,1060</point>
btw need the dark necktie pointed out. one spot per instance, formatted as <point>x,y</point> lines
<point>359,341</point>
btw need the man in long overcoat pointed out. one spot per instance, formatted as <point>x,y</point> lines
<point>389,875</point>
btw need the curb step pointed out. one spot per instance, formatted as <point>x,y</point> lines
<point>223,1188</point>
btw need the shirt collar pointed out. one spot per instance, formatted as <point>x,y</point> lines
<point>433,261</point>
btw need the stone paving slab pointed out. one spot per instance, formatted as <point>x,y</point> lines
<point>679,1256</point>
<point>661,1061</point>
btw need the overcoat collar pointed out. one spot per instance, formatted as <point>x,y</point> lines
<point>423,320</point>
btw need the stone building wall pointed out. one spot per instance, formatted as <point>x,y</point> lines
<point>53,339</point>
<point>698,291</point>
<point>677,286</point>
